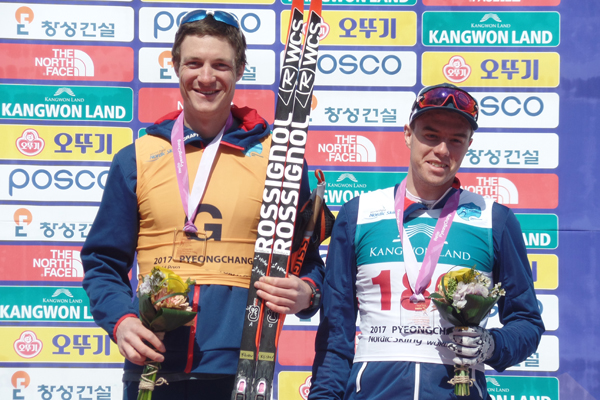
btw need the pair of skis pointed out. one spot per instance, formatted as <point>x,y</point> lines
<point>272,252</point>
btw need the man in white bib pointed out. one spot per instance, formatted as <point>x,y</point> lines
<point>405,350</point>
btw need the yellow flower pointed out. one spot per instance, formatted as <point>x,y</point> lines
<point>173,282</point>
<point>465,275</point>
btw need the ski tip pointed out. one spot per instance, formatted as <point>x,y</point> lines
<point>316,6</point>
<point>299,4</point>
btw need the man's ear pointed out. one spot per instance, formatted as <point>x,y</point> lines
<point>407,135</point>
<point>239,73</point>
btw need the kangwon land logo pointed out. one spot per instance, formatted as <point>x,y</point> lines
<point>501,29</point>
<point>343,186</point>
<point>75,103</point>
<point>413,231</point>
<point>33,303</point>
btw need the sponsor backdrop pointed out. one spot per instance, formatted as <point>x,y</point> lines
<point>80,81</point>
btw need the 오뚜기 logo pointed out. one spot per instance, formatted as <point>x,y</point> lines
<point>30,143</point>
<point>457,70</point>
<point>305,388</point>
<point>28,345</point>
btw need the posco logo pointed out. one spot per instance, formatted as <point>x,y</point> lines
<point>369,64</point>
<point>159,25</point>
<point>367,68</point>
<point>512,106</point>
<point>61,179</point>
<point>529,110</point>
<point>164,21</point>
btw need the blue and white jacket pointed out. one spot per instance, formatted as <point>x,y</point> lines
<point>401,351</point>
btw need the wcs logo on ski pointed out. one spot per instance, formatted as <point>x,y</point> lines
<point>279,209</point>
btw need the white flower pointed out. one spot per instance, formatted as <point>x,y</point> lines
<point>484,280</point>
<point>145,287</point>
<point>480,290</point>
<point>497,291</point>
<point>156,279</point>
<point>458,298</point>
<point>460,304</point>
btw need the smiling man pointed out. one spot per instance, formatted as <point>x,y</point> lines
<point>186,197</point>
<point>381,265</point>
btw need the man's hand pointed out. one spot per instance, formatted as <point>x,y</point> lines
<point>130,339</point>
<point>472,345</point>
<point>284,295</point>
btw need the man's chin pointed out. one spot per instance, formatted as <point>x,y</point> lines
<point>205,107</point>
<point>440,181</point>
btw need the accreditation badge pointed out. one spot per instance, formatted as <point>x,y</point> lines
<point>189,247</point>
<point>416,314</point>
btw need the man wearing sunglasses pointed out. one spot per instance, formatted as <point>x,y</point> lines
<point>387,253</point>
<point>202,226</point>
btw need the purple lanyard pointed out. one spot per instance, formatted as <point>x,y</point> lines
<point>419,278</point>
<point>192,203</point>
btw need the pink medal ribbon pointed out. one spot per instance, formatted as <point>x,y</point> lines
<point>419,278</point>
<point>192,203</point>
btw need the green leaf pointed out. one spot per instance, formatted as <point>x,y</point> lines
<point>435,295</point>
<point>448,313</point>
<point>472,314</point>
<point>168,319</point>
<point>477,308</point>
<point>165,319</point>
<point>147,310</point>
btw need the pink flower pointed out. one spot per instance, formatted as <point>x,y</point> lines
<point>463,289</point>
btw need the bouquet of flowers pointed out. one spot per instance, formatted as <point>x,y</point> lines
<point>464,298</point>
<point>163,307</point>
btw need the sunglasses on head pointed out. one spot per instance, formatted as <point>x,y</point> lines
<point>440,96</point>
<point>221,16</point>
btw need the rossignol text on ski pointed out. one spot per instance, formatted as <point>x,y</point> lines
<point>280,202</point>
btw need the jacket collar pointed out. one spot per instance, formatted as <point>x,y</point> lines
<point>411,206</point>
<point>247,129</point>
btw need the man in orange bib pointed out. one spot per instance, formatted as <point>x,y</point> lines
<point>197,173</point>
